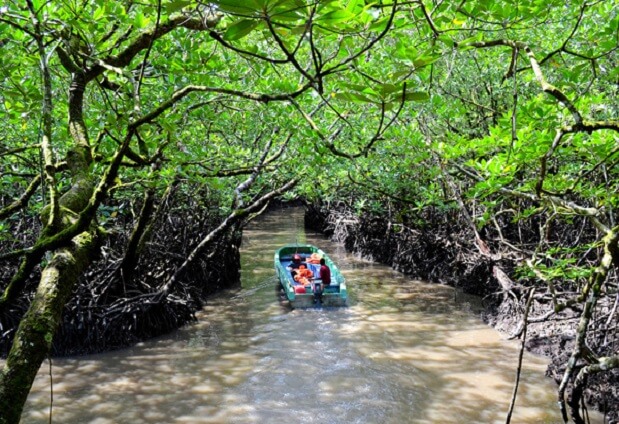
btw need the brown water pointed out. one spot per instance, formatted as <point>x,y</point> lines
<point>402,352</point>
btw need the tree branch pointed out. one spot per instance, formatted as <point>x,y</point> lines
<point>23,200</point>
<point>235,216</point>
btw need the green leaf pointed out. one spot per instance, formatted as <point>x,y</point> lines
<point>446,40</point>
<point>337,16</point>
<point>287,10</point>
<point>98,13</point>
<point>393,92</point>
<point>243,7</point>
<point>353,97</point>
<point>465,43</point>
<point>140,21</point>
<point>416,96</point>
<point>390,88</point>
<point>354,5</point>
<point>240,29</point>
<point>176,5</point>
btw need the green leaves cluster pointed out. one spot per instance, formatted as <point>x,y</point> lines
<point>488,122</point>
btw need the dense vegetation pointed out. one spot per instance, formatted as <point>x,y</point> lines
<point>502,114</point>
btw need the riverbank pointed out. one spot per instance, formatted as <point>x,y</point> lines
<point>441,248</point>
<point>403,352</point>
<point>119,301</point>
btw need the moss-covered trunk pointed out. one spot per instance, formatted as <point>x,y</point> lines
<point>34,336</point>
<point>33,340</point>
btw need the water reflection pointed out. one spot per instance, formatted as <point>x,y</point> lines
<point>402,352</point>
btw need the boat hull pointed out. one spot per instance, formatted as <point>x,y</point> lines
<point>334,295</point>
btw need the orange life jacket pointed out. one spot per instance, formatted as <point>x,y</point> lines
<point>303,273</point>
<point>314,258</point>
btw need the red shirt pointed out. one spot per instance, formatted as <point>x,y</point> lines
<point>325,274</point>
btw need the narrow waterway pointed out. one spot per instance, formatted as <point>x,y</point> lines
<point>402,352</point>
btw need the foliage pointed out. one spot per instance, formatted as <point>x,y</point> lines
<point>488,108</point>
<point>521,122</point>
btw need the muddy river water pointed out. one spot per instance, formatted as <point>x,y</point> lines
<point>403,351</point>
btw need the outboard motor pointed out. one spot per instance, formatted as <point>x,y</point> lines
<point>317,291</point>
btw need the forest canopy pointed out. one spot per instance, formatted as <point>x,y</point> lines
<point>486,109</point>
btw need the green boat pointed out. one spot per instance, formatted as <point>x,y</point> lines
<point>308,293</point>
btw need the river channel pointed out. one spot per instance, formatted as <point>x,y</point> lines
<point>403,351</point>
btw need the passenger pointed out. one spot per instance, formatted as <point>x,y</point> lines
<point>314,258</point>
<point>294,265</point>
<point>303,275</point>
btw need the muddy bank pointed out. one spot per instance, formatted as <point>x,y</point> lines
<point>440,247</point>
<point>435,251</point>
<point>118,302</point>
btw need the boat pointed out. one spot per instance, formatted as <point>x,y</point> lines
<point>308,295</point>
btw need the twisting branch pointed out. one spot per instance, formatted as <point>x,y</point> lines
<point>551,89</point>
<point>145,39</point>
<point>563,47</point>
<point>238,191</point>
<point>609,259</point>
<point>428,18</point>
<point>327,140</point>
<point>289,55</point>
<point>5,152</point>
<point>539,186</point>
<point>236,216</point>
<point>603,364</point>
<point>23,199</point>
<point>138,86</point>
<point>367,47</point>
<point>34,254</point>
<point>216,36</point>
<point>537,71</point>
<point>185,91</point>
<point>363,151</point>
<point>49,171</point>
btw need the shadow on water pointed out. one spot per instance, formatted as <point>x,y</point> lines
<point>402,352</point>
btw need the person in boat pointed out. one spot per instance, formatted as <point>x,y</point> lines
<point>303,275</point>
<point>325,274</point>
<point>295,264</point>
<point>325,281</point>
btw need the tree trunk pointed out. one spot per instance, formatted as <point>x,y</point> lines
<point>34,336</point>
